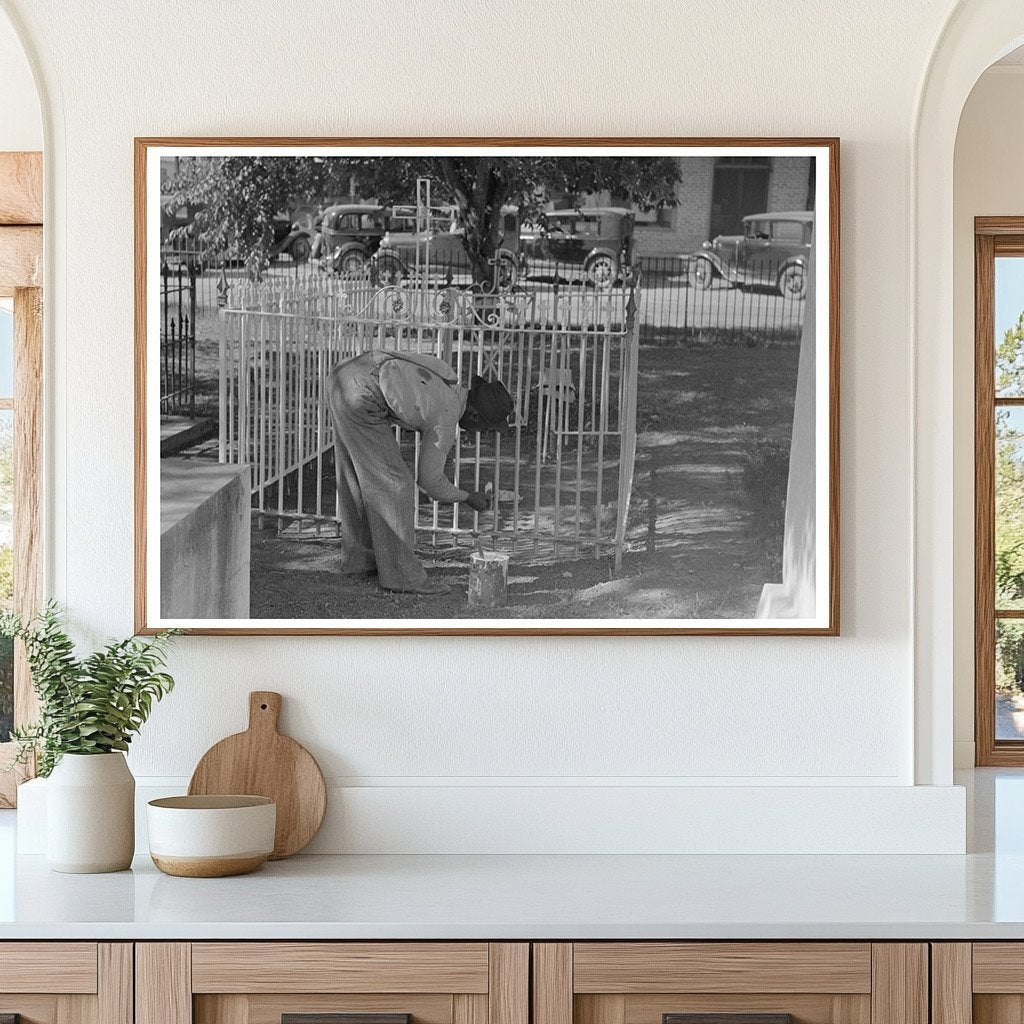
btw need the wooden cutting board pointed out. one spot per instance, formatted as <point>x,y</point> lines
<point>262,762</point>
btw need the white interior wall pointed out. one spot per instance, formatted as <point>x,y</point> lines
<point>21,126</point>
<point>429,716</point>
<point>987,182</point>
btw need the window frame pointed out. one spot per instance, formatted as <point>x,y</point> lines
<point>21,273</point>
<point>993,237</point>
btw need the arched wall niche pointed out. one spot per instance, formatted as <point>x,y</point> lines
<point>975,35</point>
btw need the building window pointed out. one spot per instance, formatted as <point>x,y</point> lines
<point>999,491</point>
<point>740,187</point>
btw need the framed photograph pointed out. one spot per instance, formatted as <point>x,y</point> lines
<point>500,386</point>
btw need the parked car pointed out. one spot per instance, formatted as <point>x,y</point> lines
<point>435,244</point>
<point>772,252</point>
<point>598,239</point>
<point>350,234</point>
<point>293,235</point>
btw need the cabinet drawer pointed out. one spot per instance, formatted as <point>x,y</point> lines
<point>730,983</point>
<point>64,967</point>
<point>332,983</point>
<point>66,982</point>
<point>634,967</point>
<point>340,967</point>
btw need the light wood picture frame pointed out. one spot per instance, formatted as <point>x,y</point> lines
<point>639,485</point>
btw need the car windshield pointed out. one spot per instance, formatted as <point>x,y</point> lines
<point>788,231</point>
<point>563,225</point>
<point>758,229</point>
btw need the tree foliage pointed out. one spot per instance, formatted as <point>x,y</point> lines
<point>1009,506</point>
<point>90,705</point>
<point>237,197</point>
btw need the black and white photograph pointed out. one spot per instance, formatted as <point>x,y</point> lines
<point>455,386</point>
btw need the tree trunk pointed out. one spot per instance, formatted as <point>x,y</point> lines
<point>479,197</point>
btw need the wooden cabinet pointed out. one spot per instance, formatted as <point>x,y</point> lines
<point>498,983</point>
<point>753,982</point>
<point>66,982</point>
<point>978,983</point>
<point>262,982</point>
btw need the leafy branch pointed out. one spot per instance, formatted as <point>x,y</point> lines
<point>90,705</point>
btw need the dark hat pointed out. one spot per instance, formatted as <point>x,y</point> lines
<point>491,400</point>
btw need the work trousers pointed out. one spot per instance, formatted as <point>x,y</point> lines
<point>376,489</point>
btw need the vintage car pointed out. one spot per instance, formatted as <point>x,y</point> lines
<point>293,235</point>
<point>434,243</point>
<point>598,239</point>
<point>772,252</point>
<point>350,234</point>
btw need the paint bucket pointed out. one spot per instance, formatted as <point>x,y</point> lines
<point>488,579</point>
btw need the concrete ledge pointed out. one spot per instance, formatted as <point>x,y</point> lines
<point>204,540</point>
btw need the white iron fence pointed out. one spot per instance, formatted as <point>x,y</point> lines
<point>562,479</point>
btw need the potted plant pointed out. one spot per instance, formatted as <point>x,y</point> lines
<point>89,710</point>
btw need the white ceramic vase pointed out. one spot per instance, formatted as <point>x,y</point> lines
<point>90,814</point>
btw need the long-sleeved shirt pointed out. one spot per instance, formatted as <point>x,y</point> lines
<point>423,394</point>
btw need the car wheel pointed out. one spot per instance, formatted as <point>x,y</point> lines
<point>352,264</point>
<point>300,249</point>
<point>792,282</point>
<point>602,271</point>
<point>700,274</point>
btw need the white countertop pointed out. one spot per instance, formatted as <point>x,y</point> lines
<point>977,896</point>
<point>496,897</point>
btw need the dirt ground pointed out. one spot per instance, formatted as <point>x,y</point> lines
<point>705,530</point>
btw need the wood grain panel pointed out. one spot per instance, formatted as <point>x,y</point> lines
<point>998,967</point>
<point>998,225</point>
<point>115,983</point>
<point>28,482</point>
<point>228,1009</point>
<point>339,967</point>
<point>594,1009</point>
<point>468,1009</point>
<point>21,188</point>
<point>998,1009</point>
<point>951,983</point>
<point>805,1008</point>
<point>33,1009</point>
<point>899,990</point>
<point>21,259</point>
<point>636,967</point>
<point>552,983</point>
<point>76,1009</point>
<point>163,983</point>
<point>267,1009</point>
<point>508,992</point>
<point>64,967</point>
<point>984,502</point>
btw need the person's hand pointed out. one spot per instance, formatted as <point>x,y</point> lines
<point>478,501</point>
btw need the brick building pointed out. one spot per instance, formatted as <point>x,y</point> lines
<point>714,194</point>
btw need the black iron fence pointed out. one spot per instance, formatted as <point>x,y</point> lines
<point>681,303</point>
<point>178,302</point>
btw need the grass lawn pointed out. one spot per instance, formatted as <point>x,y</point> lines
<point>705,530</point>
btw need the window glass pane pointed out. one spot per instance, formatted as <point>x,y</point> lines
<point>788,231</point>
<point>6,566</point>
<point>1009,324</point>
<point>6,354</point>
<point>1009,524</point>
<point>1009,679</point>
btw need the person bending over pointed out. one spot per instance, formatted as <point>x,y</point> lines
<point>367,396</point>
